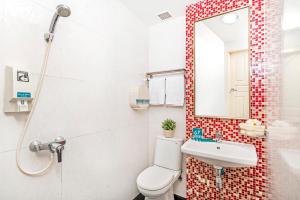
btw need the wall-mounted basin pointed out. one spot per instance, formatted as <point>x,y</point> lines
<point>223,154</point>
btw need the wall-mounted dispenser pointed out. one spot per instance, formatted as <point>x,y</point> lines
<point>19,90</point>
<point>139,97</point>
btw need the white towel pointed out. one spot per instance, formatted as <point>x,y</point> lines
<point>157,90</point>
<point>175,90</point>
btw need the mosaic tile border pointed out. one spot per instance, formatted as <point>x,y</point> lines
<point>243,183</point>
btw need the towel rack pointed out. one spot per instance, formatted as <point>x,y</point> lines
<point>150,74</point>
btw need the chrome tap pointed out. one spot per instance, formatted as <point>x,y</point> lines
<point>219,137</point>
<point>57,146</point>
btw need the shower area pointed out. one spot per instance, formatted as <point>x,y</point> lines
<point>82,67</point>
<point>283,69</point>
<point>56,146</point>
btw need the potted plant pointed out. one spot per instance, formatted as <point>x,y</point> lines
<point>168,126</point>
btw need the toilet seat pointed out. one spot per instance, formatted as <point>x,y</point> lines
<point>155,180</point>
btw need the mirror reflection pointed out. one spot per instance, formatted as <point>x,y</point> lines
<point>222,66</point>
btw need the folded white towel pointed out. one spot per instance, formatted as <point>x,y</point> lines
<point>157,90</point>
<point>253,122</point>
<point>175,90</point>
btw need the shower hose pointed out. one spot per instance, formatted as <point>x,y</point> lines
<point>25,129</point>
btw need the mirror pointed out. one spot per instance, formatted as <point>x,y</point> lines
<point>222,66</point>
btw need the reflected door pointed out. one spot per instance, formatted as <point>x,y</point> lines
<point>238,84</point>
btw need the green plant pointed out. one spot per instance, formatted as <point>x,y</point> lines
<point>168,125</point>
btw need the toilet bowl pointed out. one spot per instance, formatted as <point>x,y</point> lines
<point>156,182</point>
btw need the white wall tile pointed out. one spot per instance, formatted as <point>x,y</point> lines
<point>98,53</point>
<point>105,165</point>
<point>21,37</point>
<point>167,45</point>
<point>17,186</point>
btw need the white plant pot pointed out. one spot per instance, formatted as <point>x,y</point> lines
<point>169,134</point>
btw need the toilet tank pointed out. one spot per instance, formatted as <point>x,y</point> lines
<point>168,153</point>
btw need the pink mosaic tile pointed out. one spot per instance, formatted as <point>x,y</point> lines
<point>243,183</point>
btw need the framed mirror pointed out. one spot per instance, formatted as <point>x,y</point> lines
<point>222,69</point>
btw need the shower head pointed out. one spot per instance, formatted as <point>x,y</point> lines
<point>61,11</point>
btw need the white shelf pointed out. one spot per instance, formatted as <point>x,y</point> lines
<point>139,107</point>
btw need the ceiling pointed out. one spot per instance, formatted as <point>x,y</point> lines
<point>230,32</point>
<point>148,10</point>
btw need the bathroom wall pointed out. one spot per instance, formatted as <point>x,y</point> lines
<point>167,51</point>
<point>98,53</point>
<point>242,183</point>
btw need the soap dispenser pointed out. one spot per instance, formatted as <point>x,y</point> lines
<point>139,97</point>
<point>19,90</point>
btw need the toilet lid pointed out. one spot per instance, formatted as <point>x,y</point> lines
<point>155,178</point>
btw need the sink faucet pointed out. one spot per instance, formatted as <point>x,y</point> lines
<point>219,137</point>
<point>56,146</point>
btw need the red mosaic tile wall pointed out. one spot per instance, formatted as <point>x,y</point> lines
<point>240,183</point>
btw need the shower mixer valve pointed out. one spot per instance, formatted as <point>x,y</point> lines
<point>56,146</point>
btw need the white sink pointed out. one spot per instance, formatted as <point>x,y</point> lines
<point>224,154</point>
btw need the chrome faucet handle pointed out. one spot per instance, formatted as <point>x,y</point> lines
<point>59,150</point>
<point>61,140</point>
<point>35,146</point>
<point>57,146</point>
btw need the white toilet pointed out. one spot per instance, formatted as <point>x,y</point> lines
<point>156,182</point>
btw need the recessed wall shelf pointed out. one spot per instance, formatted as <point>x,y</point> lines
<point>139,97</point>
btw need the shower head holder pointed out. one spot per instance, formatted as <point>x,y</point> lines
<point>48,37</point>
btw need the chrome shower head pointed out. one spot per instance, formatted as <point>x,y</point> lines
<point>61,11</point>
